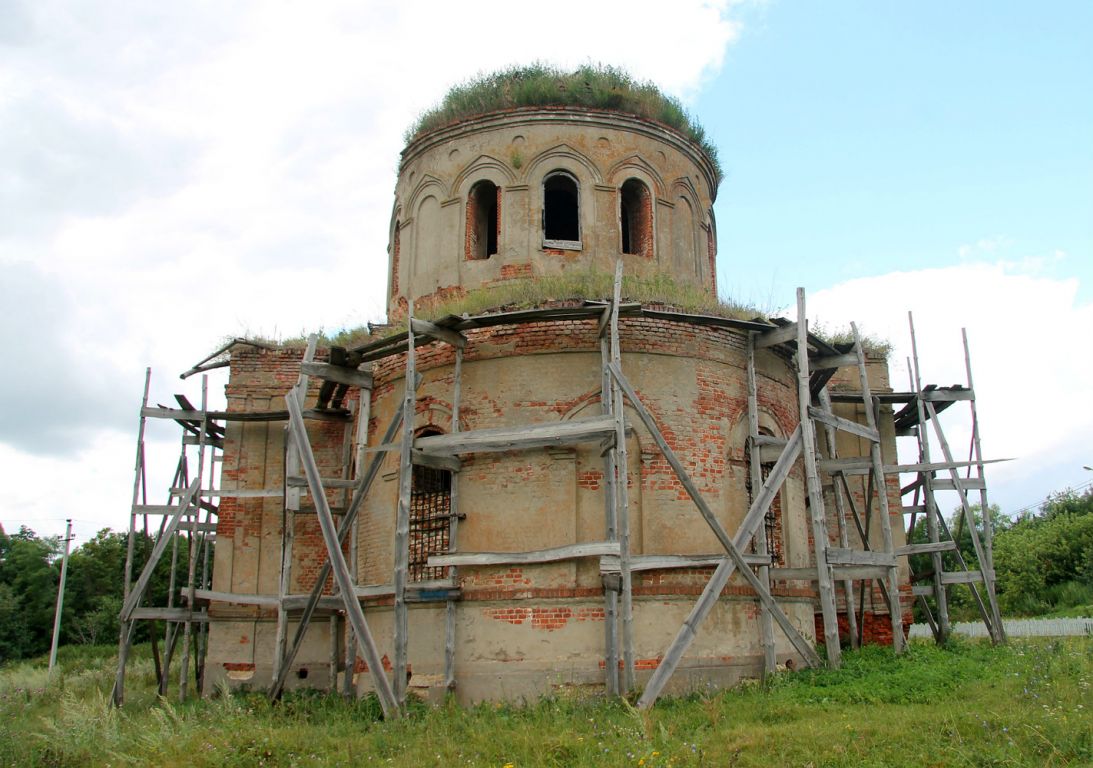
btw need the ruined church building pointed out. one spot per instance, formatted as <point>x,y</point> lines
<point>610,493</point>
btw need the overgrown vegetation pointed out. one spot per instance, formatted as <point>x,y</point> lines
<point>969,704</point>
<point>587,285</point>
<point>594,86</point>
<point>1043,559</point>
<point>30,571</point>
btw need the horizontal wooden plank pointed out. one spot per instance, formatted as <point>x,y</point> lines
<point>968,484</point>
<point>554,554</point>
<point>839,573</point>
<point>298,481</point>
<point>155,509</point>
<point>839,556</point>
<point>844,572</point>
<point>169,614</point>
<point>827,362</point>
<point>947,395</point>
<point>923,549</point>
<point>849,466</point>
<point>211,442</point>
<point>775,336</point>
<point>446,335</point>
<point>339,374</point>
<point>845,425</point>
<point>922,590</point>
<point>518,438</point>
<point>244,493</point>
<point>292,602</point>
<point>240,598</point>
<point>780,442</point>
<point>913,509</point>
<point>422,459</point>
<point>247,416</point>
<point>612,563</point>
<point>386,590</point>
<point>961,577</point>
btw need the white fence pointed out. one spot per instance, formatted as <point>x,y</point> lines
<point>1016,628</point>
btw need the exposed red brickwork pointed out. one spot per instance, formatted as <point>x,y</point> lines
<point>639,664</point>
<point>362,665</point>
<point>876,628</point>
<point>516,271</point>
<point>547,618</point>
<point>238,666</point>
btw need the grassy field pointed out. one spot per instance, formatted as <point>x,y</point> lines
<point>1025,704</point>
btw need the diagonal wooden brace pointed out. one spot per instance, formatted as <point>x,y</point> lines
<point>736,560</point>
<point>137,593</point>
<point>324,572</point>
<point>342,577</point>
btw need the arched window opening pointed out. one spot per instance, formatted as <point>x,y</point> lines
<point>561,210</point>
<point>483,222</point>
<point>395,259</point>
<point>430,517</point>
<point>636,218</point>
<point>772,521</point>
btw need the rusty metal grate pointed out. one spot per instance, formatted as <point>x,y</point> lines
<point>430,520</point>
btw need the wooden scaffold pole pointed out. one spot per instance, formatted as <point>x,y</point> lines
<point>815,492</point>
<point>755,469</point>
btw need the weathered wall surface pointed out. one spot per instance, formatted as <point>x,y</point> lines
<point>517,151</point>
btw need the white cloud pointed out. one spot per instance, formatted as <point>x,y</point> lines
<point>1031,362</point>
<point>179,173</point>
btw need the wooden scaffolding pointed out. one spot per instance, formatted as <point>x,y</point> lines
<point>852,491</point>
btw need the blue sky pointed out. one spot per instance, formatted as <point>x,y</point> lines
<point>859,138</point>
<point>935,157</point>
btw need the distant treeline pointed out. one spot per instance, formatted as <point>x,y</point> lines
<point>1043,559</point>
<point>30,569</point>
<point>1044,562</point>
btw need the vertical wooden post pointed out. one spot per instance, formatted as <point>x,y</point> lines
<point>840,516</point>
<point>124,630</point>
<point>195,518</point>
<point>327,567</point>
<point>998,630</point>
<point>453,531</point>
<point>342,577</point>
<point>969,520</point>
<point>766,623</point>
<point>60,600</point>
<point>402,516</point>
<point>881,488</point>
<point>288,521</point>
<point>815,492</point>
<point>611,591</point>
<point>622,493</point>
<point>932,513</point>
<point>364,414</point>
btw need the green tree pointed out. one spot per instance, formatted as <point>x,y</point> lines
<point>1044,560</point>
<point>28,571</point>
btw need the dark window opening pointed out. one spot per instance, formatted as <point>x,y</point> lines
<point>561,209</point>
<point>430,518</point>
<point>772,520</point>
<point>636,218</point>
<point>483,225</point>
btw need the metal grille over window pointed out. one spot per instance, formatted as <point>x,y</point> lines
<point>430,520</point>
<point>772,522</point>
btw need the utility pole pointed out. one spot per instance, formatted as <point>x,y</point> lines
<point>60,600</point>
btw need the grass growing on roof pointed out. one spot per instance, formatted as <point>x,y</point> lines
<point>594,86</point>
